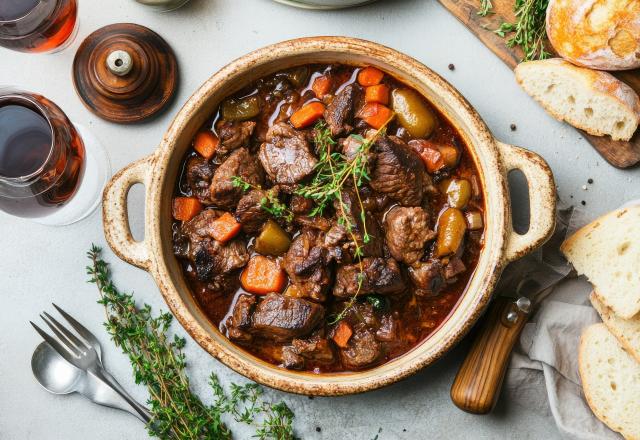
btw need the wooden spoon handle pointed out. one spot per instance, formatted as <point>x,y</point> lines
<point>478,382</point>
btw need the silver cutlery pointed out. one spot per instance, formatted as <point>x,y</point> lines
<point>73,363</point>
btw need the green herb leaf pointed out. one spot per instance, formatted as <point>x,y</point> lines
<point>159,363</point>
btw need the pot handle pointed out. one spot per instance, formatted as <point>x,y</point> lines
<point>542,199</point>
<point>115,217</point>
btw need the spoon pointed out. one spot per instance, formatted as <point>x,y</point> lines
<point>58,376</point>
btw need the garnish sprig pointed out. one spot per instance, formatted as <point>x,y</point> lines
<point>529,29</point>
<point>159,363</point>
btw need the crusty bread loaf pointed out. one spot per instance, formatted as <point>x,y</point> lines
<point>607,251</point>
<point>601,34</point>
<point>626,331</point>
<point>593,101</point>
<point>611,381</point>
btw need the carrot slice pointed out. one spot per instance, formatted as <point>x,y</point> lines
<point>375,114</point>
<point>321,86</point>
<point>186,208</point>
<point>370,76</point>
<point>379,93</point>
<point>307,114</point>
<point>342,334</point>
<point>263,275</point>
<point>206,144</point>
<point>225,227</point>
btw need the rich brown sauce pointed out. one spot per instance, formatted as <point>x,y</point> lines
<point>418,317</point>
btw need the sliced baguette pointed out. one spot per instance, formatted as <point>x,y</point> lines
<point>627,331</point>
<point>593,101</point>
<point>607,251</point>
<point>611,381</point>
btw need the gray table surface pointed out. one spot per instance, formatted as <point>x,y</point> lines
<point>41,264</point>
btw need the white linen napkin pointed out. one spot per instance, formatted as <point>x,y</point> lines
<point>548,352</point>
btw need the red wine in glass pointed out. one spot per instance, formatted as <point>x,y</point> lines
<point>41,156</point>
<point>37,25</point>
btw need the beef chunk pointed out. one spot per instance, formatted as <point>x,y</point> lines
<point>305,262</point>
<point>407,232</point>
<point>454,268</point>
<point>300,205</point>
<point>282,318</point>
<point>286,156</point>
<point>316,222</point>
<point>399,172</point>
<point>199,172</point>
<point>379,276</point>
<point>339,113</point>
<point>388,329</point>
<point>240,320</point>
<point>427,277</point>
<point>351,208</point>
<point>362,350</point>
<point>210,257</point>
<point>239,163</point>
<point>233,135</point>
<point>249,211</point>
<point>315,349</point>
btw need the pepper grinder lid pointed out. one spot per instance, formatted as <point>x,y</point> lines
<point>125,73</point>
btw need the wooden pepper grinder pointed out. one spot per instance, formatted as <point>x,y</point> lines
<point>125,73</point>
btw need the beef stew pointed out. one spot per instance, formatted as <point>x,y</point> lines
<point>333,219</point>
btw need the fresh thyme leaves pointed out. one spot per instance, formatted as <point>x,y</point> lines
<point>271,203</point>
<point>160,364</point>
<point>332,175</point>
<point>485,8</point>
<point>529,31</point>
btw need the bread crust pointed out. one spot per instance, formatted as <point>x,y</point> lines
<point>597,81</point>
<point>605,313</point>
<point>601,34</point>
<point>586,386</point>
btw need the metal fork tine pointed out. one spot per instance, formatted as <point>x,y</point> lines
<point>81,329</point>
<point>57,346</point>
<point>65,336</point>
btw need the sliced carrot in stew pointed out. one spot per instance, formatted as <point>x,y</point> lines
<point>225,227</point>
<point>379,93</point>
<point>370,76</point>
<point>342,334</point>
<point>307,114</point>
<point>321,86</point>
<point>375,114</point>
<point>206,144</point>
<point>186,208</point>
<point>263,275</point>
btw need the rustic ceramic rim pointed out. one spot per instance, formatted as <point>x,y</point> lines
<point>158,172</point>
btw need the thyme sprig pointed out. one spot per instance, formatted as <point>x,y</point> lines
<point>485,8</point>
<point>270,203</point>
<point>529,31</point>
<point>332,175</point>
<point>159,363</point>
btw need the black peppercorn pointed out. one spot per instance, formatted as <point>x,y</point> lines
<point>583,203</point>
<point>452,67</point>
<point>590,181</point>
<point>318,429</point>
<point>513,127</point>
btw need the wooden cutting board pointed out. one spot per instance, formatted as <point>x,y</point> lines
<point>617,153</point>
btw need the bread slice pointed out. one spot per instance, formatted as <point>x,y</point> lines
<point>611,381</point>
<point>593,101</point>
<point>607,251</point>
<point>601,34</point>
<point>627,331</point>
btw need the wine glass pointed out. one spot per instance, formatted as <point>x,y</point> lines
<point>51,170</point>
<point>37,26</point>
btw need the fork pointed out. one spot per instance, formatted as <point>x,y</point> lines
<point>83,351</point>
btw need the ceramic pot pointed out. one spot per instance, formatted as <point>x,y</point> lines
<point>159,171</point>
